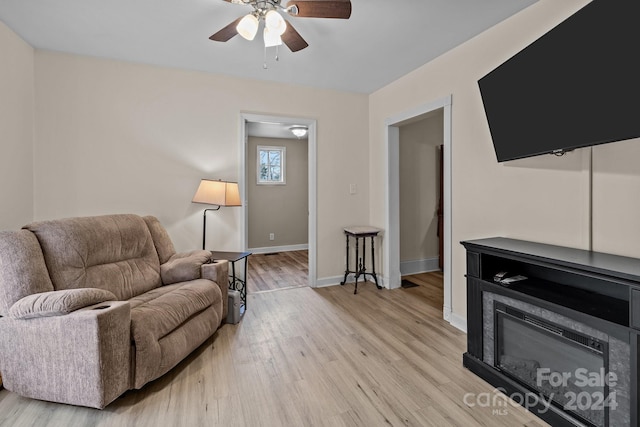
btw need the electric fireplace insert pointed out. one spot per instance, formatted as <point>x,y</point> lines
<point>565,367</point>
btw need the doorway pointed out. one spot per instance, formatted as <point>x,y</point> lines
<point>421,192</point>
<point>392,194</point>
<point>247,161</point>
<point>420,170</point>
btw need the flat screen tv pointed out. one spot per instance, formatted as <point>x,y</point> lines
<point>576,86</point>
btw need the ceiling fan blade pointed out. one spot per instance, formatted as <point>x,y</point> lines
<point>340,9</point>
<point>227,32</point>
<point>293,39</point>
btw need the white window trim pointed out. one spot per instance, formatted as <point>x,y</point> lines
<point>283,162</point>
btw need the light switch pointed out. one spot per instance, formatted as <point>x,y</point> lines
<point>353,188</point>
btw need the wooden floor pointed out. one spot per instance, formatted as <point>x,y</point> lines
<point>433,283</point>
<point>307,357</point>
<point>282,270</point>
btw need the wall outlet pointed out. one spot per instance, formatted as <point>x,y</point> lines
<point>272,236</point>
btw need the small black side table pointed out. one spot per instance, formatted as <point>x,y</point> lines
<point>235,282</point>
<point>361,233</point>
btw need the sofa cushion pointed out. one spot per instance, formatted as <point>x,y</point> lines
<point>157,313</point>
<point>111,252</point>
<point>58,303</point>
<point>161,240</point>
<point>22,268</point>
<point>184,266</point>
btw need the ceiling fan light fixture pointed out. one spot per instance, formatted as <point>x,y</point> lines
<point>248,27</point>
<point>299,131</point>
<point>271,38</point>
<point>275,22</point>
<point>272,12</point>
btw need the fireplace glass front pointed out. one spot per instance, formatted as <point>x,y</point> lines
<point>566,367</point>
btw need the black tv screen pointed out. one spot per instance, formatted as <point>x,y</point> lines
<point>576,86</point>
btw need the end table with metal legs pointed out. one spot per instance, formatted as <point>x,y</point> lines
<point>361,233</point>
<point>235,282</point>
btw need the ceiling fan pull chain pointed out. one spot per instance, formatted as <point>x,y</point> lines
<point>264,65</point>
<point>277,58</point>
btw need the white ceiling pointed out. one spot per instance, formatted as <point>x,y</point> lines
<point>272,130</point>
<point>382,41</point>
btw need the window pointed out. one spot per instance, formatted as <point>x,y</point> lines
<point>271,165</point>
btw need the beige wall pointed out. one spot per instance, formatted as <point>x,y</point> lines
<point>120,137</point>
<point>420,187</point>
<point>540,199</point>
<point>16,130</point>
<point>279,209</point>
<point>616,198</point>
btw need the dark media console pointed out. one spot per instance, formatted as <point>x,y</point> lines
<point>575,313</point>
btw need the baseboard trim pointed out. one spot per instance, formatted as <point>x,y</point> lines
<point>419,266</point>
<point>336,280</point>
<point>287,248</point>
<point>329,281</point>
<point>458,322</point>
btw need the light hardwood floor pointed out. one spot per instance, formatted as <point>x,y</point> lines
<point>433,283</point>
<point>306,357</point>
<point>282,270</point>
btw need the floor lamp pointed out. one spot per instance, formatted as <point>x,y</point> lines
<point>215,192</point>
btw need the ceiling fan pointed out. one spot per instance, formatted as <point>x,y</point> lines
<point>277,30</point>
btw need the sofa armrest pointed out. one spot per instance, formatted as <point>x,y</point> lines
<point>184,266</point>
<point>218,272</point>
<point>82,358</point>
<point>58,303</point>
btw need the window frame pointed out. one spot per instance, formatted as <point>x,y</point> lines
<point>283,157</point>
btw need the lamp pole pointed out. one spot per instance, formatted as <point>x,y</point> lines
<point>204,224</point>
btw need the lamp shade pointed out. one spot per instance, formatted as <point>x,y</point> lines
<point>271,39</point>
<point>275,22</point>
<point>248,27</point>
<point>221,193</point>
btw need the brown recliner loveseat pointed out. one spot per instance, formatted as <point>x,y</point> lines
<point>94,306</point>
